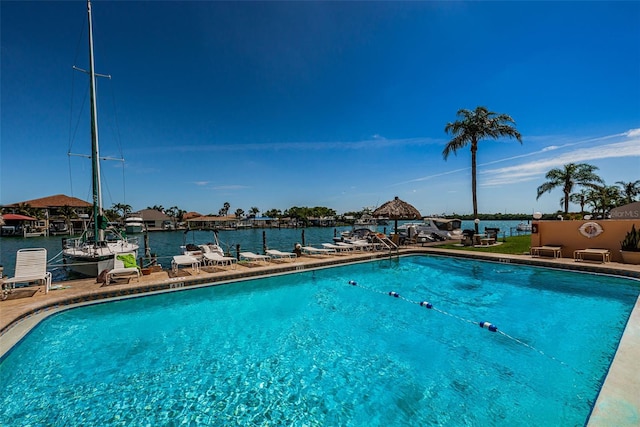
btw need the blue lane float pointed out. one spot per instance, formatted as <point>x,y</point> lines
<point>489,326</point>
<point>485,325</point>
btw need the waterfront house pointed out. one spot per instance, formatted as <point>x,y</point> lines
<point>58,214</point>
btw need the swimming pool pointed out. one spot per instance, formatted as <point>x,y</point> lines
<point>311,349</point>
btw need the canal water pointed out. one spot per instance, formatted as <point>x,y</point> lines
<point>165,244</point>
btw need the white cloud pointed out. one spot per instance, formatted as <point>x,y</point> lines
<point>535,169</point>
<point>633,133</point>
<point>551,147</point>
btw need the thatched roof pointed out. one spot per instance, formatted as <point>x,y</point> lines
<point>397,209</point>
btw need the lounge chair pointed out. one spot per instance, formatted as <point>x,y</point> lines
<point>124,265</point>
<point>179,260</point>
<point>214,258</point>
<point>338,248</point>
<point>31,266</point>
<point>362,245</point>
<point>310,250</point>
<point>284,256</point>
<point>250,256</point>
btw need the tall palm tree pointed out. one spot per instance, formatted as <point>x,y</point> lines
<point>470,128</point>
<point>629,190</point>
<point>570,175</point>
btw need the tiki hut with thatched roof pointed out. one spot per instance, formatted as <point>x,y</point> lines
<point>397,209</point>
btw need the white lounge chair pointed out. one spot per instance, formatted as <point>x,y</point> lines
<point>362,245</point>
<point>124,265</point>
<point>31,266</point>
<point>179,260</point>
<point>338,248</point>
<point>310,250</point>
<point>276,254</point>
<point>250,256</point>
<point>352,246</point>
<point>214,258</point>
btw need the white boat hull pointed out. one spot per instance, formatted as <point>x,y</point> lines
<point>133,229</point>
<point>91,261</point>
<point>134,225</point>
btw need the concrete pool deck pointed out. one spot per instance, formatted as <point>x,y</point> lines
<point>618,402</point>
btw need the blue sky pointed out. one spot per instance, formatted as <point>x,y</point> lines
<point>337,104</point>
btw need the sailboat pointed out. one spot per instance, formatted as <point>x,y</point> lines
<point>95,249</point>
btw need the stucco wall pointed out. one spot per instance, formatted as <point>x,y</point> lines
<point>567,234</point>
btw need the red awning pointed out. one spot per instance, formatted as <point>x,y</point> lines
<point>17,217</point>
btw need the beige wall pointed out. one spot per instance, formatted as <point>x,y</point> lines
<point>567,234</point>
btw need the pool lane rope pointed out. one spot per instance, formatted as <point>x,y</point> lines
<point>483,324</point>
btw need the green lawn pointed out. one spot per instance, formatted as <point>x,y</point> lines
<point>517,245</point>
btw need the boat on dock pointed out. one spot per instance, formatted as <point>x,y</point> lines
<point>438,228</point>
<point>523,226</point>
<point>95,250</point>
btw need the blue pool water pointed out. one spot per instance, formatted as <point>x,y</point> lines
<point>309,349</point>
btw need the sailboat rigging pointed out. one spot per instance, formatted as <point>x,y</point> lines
<point>91,254</point>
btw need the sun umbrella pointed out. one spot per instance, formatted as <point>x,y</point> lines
<point>397,209</point>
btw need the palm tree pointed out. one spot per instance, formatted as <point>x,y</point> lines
<point>176,214</point>
<point>472,127</point>
<point>629,190</point>
<point>122,208</point>
<point>579,198</point>
<point>572,174</point>
<point>67,213</point>
<point>603,199</point>
<point>25,209</point>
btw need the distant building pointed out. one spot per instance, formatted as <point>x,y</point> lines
<point>212,222</point>
<point>155,220</point>
<point>191,215</point>
<point>59,214</point>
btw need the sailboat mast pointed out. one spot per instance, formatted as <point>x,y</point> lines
<point>95,153</point>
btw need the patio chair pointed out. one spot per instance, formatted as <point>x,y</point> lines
<point>179,260</point>
<point>124,265</point>
<point>310,250</point>
<point>250,256</point>
<point>214,258</point>
<point>278,255</point>
<point>31,266</point>
<point>340,249</point>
